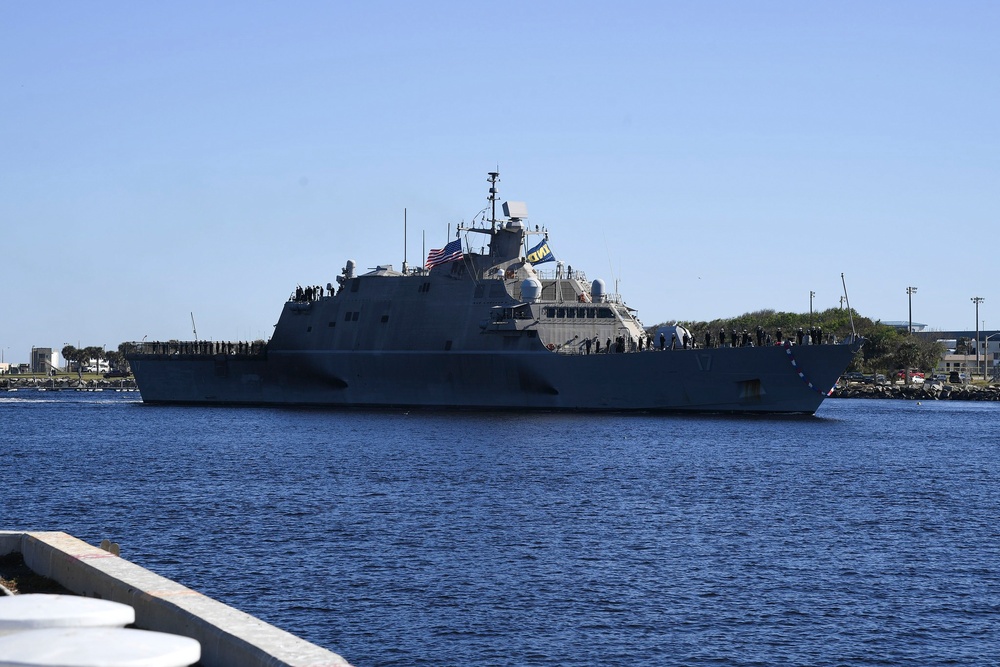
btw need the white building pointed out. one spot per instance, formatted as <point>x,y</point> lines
<point>989,356</point>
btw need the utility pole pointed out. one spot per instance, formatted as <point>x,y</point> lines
<point>910,291</point>
<point>977,300</point>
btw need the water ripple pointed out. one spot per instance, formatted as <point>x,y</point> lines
<point>865,537</point>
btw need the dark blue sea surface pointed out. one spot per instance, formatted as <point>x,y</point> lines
<point>868,535</point>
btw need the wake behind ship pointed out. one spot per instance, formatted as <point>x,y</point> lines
<point>486,330</point>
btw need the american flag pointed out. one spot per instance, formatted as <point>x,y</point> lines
<point>449,253</point>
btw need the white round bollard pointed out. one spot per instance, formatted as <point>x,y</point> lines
<point>37,610</point>
<point>97,647</point>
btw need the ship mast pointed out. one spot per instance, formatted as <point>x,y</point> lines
<point>493,177</point>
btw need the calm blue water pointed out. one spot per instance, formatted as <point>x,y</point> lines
<point>865,536</point>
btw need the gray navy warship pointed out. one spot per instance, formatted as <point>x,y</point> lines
<point>483,330</point>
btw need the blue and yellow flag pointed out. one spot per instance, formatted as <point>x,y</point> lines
<point>540,253</point>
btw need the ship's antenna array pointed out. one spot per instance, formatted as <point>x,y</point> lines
<point>611,264</point>
<point>848,300</point>
<point>492,179</point>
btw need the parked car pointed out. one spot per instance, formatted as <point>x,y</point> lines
<point>116,374</point>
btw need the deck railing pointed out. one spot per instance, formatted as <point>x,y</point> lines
<point>206,348</point>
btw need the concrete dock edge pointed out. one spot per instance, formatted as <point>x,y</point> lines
<point>228,637</point>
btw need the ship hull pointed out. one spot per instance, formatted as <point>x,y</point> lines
<point>775,379</point>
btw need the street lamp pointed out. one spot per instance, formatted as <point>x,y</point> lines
<point>910,291</point>
<point>986,349</point>
<point>811,295</point>
<point>977,300</point>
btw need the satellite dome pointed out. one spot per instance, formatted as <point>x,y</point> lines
<point>531,289</point>
<point>597,290</point>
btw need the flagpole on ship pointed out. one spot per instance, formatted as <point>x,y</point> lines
<point>404,241</point>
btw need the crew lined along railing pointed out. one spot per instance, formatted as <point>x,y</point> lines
<point>206,348</point>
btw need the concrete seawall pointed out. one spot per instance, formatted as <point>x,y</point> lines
<point>229,637</point>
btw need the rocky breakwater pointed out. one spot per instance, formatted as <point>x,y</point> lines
<point>66,384</point>
<point>920,392</point>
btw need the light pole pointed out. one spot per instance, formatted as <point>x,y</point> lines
<point>811,295</point>
<point>910,291</point>
<point>986,349</point>
<point>977,300</point>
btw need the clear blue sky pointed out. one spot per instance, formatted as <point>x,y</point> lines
<point>158,159</point>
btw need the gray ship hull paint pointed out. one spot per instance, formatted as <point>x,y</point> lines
<point>726,380</point>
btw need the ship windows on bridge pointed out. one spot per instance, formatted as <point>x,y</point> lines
<point>579,313</point>
<point>519,312</point>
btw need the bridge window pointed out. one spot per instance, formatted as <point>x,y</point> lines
<point>522,312</point>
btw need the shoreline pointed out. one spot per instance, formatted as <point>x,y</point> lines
<point>67,384</point>
<point>920,392</point>
<point>913,392</point>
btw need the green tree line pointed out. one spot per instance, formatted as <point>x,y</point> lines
<point>886,349</point>
<point>81,355</point>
